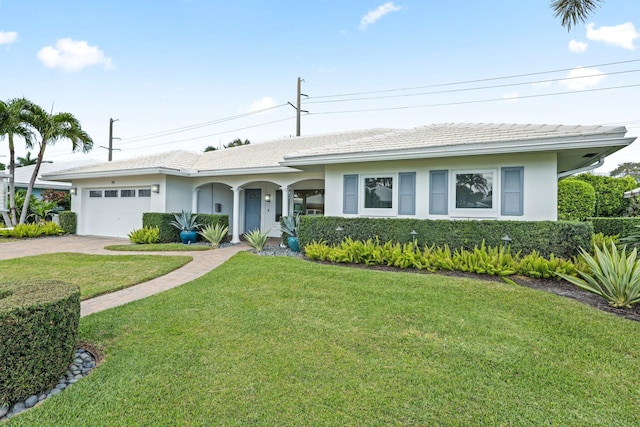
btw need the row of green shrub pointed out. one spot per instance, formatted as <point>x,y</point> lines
<point>497,260</point>
<point>621,227</point>
<point>33,230</point>
<point>561,238</point>
<point>169,233</point>
<point>38,335</point>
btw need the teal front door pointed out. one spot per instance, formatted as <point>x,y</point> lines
<point>252,208</point>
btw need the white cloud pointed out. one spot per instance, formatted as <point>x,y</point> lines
<point>261,104</point>
<point>621,35</point>
<point>73,55</point>
<point>582,78</point>
<point>578,47</point>
<point>378,13</point>
<point>8,37</point>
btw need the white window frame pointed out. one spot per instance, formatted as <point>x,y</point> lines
<point>393,210</point>
<point>474,212</point>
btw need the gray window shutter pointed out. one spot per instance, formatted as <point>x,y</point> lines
<point>438,192</point>
<point>407,193</point>
<point>350,194</point>
<point>512,191</point>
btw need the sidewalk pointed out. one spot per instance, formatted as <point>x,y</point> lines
<point>203,262</point>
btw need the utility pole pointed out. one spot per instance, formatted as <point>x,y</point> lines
<point>111,138</point>
<point>298,105</point>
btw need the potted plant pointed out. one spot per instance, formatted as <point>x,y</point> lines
<point>187,224</point>
<point>289,226</point>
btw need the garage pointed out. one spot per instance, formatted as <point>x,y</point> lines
<point>114,212</point>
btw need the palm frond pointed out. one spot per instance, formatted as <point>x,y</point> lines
<point>573,12</point>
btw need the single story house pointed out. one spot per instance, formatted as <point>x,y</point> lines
<point>23,176</point>
<point>442,171</point>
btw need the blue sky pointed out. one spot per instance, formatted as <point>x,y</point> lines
<point>165,65</point>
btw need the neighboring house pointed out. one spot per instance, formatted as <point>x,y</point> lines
<point>461,171</point>
<point>23,176</point>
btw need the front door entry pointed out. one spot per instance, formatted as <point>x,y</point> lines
<point>252,208</point>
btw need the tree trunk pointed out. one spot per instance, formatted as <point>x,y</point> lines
<point>32,182</point>
<point>12,181</point>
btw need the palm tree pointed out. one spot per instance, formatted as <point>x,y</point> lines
<point>51,128</point>
<point>26,160</point>
<point>210,148</point>
<point>12,123</point>
<point>573,12</point>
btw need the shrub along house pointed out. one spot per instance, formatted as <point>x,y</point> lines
<point>445,171</point>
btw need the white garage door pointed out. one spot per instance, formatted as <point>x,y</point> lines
<point>114,212</point>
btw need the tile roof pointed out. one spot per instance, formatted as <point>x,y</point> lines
<point>454,134</point>
<point>277,155</point>
<point>269,154</point>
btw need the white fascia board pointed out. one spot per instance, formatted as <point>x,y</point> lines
<point>245,171</point>
<point>115,173</point>
<point>520,146</point>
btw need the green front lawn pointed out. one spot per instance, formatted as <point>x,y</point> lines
<point>158,247</point>
<point>94,274</point>
<point>282,341</point>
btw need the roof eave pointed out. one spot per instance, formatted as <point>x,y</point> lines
<point>520,146</point>
<point>245,171</point>
<point>120,172</point>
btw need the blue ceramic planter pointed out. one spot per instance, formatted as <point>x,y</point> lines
<point>188,237</point>
<point>294,245</point>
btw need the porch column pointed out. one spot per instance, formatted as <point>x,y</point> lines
<point>194,200</point>
<point>285,200</point>
<point>235,227</point>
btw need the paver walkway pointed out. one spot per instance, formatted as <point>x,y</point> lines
<point>203,262</point>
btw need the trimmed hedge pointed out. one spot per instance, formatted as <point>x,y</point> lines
<point>561,238</point>
<point>612,226</point>
<point>68,221</point>
<point>610,201</point>
<point>169,233</point>
<point>38,336</point>
<point>576,200</point>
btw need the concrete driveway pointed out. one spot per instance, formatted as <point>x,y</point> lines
<point>203,262</point>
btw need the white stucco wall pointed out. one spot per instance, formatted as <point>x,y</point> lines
<point>540,183</point>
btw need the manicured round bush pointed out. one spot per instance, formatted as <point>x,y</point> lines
<point>576,200</point>
<point>38,336</point>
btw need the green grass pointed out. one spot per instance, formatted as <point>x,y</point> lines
<point>281,341</point>
<point>94,274</point>
<point>159,247</point>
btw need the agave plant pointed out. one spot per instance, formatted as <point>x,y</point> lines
<point>256,239</point>
<point>614,276</point>
<point>290,225</point>
<point>214,233</point>
<point>185,221</point>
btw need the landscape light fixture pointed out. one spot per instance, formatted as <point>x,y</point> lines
<point>506,240</point>
<point>155,188</point>
<point>339,229</point>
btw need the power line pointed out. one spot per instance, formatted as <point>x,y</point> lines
<point>537,73</point>
<point>471,88</point>
<point>196,126</point>
<point>477,101</point>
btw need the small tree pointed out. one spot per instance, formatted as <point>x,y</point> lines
<point>237,143</point>
<point>576,200</point>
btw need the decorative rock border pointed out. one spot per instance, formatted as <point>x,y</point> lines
<point>83,363</point>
